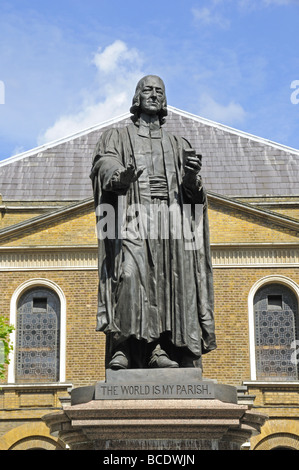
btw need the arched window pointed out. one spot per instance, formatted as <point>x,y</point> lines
<point>37,339</point>
<point>276,331</point>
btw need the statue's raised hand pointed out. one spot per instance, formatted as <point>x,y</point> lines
<point>122,179</point>
<point>129,175</point>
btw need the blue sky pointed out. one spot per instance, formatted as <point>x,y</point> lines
<point>69,64</point>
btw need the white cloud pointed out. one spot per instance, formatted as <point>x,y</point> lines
<point>118,69</point>
<point>208,16</point>
<point>116,55</point>
<point>230,114</point>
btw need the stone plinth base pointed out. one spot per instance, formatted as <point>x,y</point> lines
<point>166,414</point>
<point>155,425</point>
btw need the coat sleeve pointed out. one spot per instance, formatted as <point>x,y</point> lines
<point>193,187</point>
<point>108,160</point>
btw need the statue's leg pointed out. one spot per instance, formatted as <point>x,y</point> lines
<point>182,355</point>
<point>120,356</point>
<point>186,358</point>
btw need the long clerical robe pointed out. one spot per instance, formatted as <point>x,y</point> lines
<point>151,284</point>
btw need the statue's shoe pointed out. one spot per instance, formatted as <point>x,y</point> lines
<point>161,360</point>
<point>118,361</point>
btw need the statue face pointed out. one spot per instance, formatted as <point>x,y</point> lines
<point>152,95</point>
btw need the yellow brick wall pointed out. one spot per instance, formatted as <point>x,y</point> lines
<point>229,363</point>
<point>288,212</point>
<point>230,226</point>
<point>282,399</point>
<point>8,219</point>
<point>75,229</point>
<point>84,346</point>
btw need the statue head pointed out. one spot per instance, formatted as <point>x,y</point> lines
<point>150,98</point>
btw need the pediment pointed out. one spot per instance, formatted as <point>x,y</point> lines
<point>231,222</point>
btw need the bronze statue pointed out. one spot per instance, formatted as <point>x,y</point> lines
<point>155,298</point>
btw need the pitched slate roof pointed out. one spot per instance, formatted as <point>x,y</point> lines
<point>235,164</point>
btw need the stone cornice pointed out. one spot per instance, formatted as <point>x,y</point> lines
<point>81,257</point>
<point>48,258</point>
<point>271,384</point>
<point>251,255</point>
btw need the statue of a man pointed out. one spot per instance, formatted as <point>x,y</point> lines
<point>155,299</point>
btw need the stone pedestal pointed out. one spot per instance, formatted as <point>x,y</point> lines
<point>155,410</point>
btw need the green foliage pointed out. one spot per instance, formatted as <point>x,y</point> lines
<point>5,347</point>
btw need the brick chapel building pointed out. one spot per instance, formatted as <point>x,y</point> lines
<point>49,277</point>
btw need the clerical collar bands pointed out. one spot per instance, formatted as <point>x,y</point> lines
<point>149,126</point>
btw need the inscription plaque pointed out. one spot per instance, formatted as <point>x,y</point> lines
<point>157,384</point>
<point>139,391</point>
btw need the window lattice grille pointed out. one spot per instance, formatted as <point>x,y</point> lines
<point>276,328</point>
<point>38,333</point>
